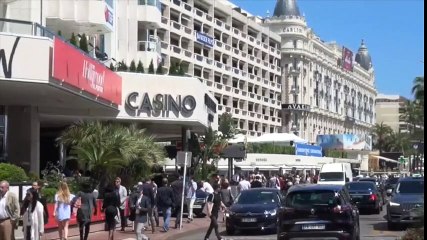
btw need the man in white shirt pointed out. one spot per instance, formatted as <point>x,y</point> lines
<point>207,187</point>
<point>243,184</point>
<point>9,212</point>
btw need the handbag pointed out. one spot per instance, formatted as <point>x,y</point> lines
<point>117,217</point>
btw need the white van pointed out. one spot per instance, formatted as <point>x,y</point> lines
<point>335,173</point>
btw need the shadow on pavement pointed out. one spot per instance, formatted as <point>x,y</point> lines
<point>249,233</point>
<point>382,226</point>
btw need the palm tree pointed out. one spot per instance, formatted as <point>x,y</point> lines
<point>111,149</point>
<point>418,88</point>
<point>381,133</point>
<point>398,142</point>
<point>414,117</point>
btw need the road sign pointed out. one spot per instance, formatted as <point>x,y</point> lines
<point>181,158</point>
<point>402,160</point>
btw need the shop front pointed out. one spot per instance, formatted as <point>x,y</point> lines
<point>45,85</point>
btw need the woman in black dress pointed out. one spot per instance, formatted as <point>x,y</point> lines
<point>110,205</point>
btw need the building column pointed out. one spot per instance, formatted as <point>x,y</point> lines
<point>23,136</point>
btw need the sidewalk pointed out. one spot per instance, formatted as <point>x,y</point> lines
<point>97,231</point>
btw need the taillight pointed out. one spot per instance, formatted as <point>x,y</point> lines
<point>337,209</point>
<point>373,197</point>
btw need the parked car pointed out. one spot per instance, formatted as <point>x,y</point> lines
<point>320,212</point>
<point>365,195</point>
<point>254,209</point>
<point>380,185</point>
<point>406,201</point>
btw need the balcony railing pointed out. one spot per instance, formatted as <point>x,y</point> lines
<point>148,46</point>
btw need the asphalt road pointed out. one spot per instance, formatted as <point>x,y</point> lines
<point>372,227</point>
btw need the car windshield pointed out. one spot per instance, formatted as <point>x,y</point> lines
<point>410,187</point>
<point>364,186</point>
<point>331,176</point>
<point>392,180</point>
<point>257,197</point>
<point>308,199</point>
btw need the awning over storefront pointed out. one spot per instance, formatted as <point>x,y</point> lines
<point>386,159</point>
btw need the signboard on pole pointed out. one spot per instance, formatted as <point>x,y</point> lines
<point>183,159</point>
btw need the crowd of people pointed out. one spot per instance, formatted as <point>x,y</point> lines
<point>145,200</point>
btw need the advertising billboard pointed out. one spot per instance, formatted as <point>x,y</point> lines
<point>347,59</point>
<point>85,73</point>
<point>308,150</point>
<point>345,142</point>
<point>24,58</point>
<point>204,39</point>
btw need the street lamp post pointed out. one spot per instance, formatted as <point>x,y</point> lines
<point>415,161</point>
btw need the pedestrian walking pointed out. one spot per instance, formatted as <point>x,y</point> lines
<point>9,212</point>
<point>214,205</point>
<point>85,203</point>
<point>177,189</point>
<point>62,209</point>
<point>33,222</point>
<point>148,192</point>
<point>191,197</point>
<point>226,195</point>
<point>143,207</point>
<point>122,194</point>
<point>257,182</point>
<point>111,206</point>
<point>243,184</point>
<point>164,200</point>
<point>132,200</point>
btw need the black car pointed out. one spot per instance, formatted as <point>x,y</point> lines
<point>391,183</point>
<point>365,195</point>
<point>406,203</point>
<point>254,209</point>
<point>380,186</point>
<point>318,212</point>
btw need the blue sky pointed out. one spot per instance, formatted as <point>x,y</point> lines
<point>393,31</point>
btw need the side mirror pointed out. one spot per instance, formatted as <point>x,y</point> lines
<point>389,192</point>
<point>347,179</point>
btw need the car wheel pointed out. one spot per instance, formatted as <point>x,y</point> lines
<point>230,231</point>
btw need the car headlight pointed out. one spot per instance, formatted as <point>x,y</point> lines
<point>393,204</point>
<point>228,214</point>
<point>271,212</point>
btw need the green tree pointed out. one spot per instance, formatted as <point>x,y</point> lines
<point>122,66</point>
<point>206,147</point>
<point>176,70</point>
<point>227,126</point>
<point>73,40</point>
<point>111,67</point>
<point>151,67</point>
<point>132,67</point>
<point>140,67</point>
<point>381,133</point>
<point>112,149</point>
<point>60,33</point>
<point>159,69</point>
<point>418,88</point>
<point>172,70</point>
<point>83,43</point>
<point>413,115</point>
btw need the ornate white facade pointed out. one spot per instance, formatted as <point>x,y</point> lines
<point>318,95</point>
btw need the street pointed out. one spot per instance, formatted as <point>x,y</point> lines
<point>372,226</point>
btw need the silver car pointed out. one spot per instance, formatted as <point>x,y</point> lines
<point>406,203</point>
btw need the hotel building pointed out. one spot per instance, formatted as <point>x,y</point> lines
<point>389,109</point>
<point>323,90</point>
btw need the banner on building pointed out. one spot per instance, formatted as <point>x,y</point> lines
<point>347,59</point>
<point>308,150</point>
<point>205,39</point>
<point>85,73</point>
<point>345,142</point>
